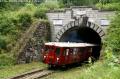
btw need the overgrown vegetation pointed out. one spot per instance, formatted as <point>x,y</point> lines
<point>108,6</point>
<point>16,18</point>
<point>111,5</point>
<point>68,3</point>
<point>113,37</point>
<point>25,20</point>
<point>99,70</point>
<point>14,21</point>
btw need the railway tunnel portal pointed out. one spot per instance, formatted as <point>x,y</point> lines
<point>82,32</point>
<point>75,24</point>
<point>83,35</point>
<point>79,24</point>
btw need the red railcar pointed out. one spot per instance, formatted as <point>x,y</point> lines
<point>61,53</point>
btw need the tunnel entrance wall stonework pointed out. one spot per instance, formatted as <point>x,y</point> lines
<point>80,23</point>
<point>32,49</point>
<point>73,17</point>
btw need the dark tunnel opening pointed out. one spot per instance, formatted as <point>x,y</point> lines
<point>83,35</point>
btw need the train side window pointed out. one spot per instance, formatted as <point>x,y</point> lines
<point>64,52</point>
<point>46,49</point>
<point>57,51</point>
<point>67,52</point>
<point>75,51</point>
<point>81,50</point>
<point>51,48</point>
<point>71,51</point>
<point>89,49</point>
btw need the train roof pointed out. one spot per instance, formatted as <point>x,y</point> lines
<point>69,44</point>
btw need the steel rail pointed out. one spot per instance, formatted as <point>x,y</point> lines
<point>34,74</point>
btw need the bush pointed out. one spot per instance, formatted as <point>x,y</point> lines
<point>113,36</point>
<point>6,25</point>
<point>25,20</point>
<point>44,7</point>
<point>30,7</point>
<point>108,6</point>
<point>40,13</point>
<point>51,5</point>
<point>99,6</point>
<point>3,43</point>
<point>6,60</point>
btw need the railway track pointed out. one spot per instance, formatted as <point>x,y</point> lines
<point>37,74</point>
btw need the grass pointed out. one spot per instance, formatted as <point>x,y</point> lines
<point>19,69</point>
<point>97,71</point>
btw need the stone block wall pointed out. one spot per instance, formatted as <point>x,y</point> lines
<point>32,49</point>
<point>68,15</point>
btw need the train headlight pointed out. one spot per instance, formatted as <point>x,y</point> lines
<point>44,56</point>
<point>57,59</point>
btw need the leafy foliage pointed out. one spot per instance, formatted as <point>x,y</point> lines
<point>108,6</point>
<point>7,29</point>
<point>40,13</point>
<point>69,3</point>
<point>3,42</point>
<point>13,23</point>
<point>6,60</point>
<point>113,36</point>
<point>6,25</point>
<point>44,7</point>
<point>25,19</point>
<point>51,5</point>
<point>11,6</point>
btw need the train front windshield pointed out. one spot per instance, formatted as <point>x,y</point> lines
<point>57,51</point>
<point>52,49</point>
<point>48,49</point>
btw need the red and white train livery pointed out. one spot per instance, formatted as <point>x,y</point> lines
<point>64,53</point>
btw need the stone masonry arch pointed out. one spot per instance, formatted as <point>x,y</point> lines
<point>81,22</point>
<point>88,31</point>
<point>72,25</point>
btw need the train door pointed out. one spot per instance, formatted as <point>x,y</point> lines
<point>75,55</point>
<point>44,53</point>
<point>58,51</point>
<point>81,53</point>
<point>85,53</point>
<point>63,56</point>
<point>52,54</point>
<point>66,52</point>
<point>88,52</point>
<point>70,56</point>
<point>67,55</point>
